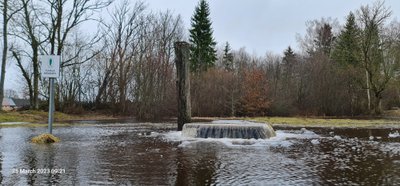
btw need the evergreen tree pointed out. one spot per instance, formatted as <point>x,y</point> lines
<point>288,62</point>
<point>227,59</point>
<point>289,88</point>
<point>289,55</point>
<point>347,50</point>
<point>203,53</point>
<point>347,54</point>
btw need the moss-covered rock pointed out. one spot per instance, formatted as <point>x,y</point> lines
<point>45,138</point>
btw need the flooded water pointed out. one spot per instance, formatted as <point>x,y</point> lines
<point>154,154</point>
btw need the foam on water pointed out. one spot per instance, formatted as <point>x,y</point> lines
<point>315,142</point>
<point>394,134</point>
<point>282,138</point>
<point>232,122</point>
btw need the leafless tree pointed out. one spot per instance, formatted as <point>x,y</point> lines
<point>378,72</point>
<point>45,26</point>
<point>8,11</point>
<point>314,37</point>
<point>28,30</point>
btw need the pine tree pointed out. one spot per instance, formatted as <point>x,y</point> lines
<point>288,62</point>
<point>289,55</point>
<point>347,50</point>
<point>347,54</point>
<point>227,59</point>
<point>288,78</point>
<point>203,53</point>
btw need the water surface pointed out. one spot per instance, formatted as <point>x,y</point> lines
<point>154,154</point>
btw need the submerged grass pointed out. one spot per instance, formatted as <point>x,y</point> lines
<point>322,122</point>
<point>45,138</point>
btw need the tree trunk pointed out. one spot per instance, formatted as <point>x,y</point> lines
<point>36,75</point>
<point>102,88</point>
<point>183,83</point>
<point>25,74</point>
<point>5,48</point>
<point>232,104</point>
<point>368,91</point>
<point>378,104</point>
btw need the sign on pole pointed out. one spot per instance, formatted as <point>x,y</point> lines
<point>50,66</point>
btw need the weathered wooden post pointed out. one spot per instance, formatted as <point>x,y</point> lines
<point>183,82</point>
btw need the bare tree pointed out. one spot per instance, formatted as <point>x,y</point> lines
<point>378,73</point>
<point>10,93</point>
<point>122,40</point>
<point>8,12</point>
<point>27,27</point>
<point>64,17</point>
<point>319,35</point>
<point>76,77</point>
<point>49,23</point>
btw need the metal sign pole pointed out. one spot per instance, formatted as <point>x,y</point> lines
<point>51,106</point>
<point>50,68</point>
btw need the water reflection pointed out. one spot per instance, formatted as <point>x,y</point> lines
<point>138,154</point>
<point>1,165</point>
<point>197,167</point>
<point>131,159</point>
<point>41,158</point>
<point>31,161</point>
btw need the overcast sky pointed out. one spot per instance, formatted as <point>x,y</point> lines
<point>265,25</point>
<point>257,25</point>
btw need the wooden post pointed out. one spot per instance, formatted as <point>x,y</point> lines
<point>183,83</point>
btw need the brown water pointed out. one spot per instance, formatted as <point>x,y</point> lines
<point>151,154</point>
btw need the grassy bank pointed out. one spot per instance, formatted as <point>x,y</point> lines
<point>39,119</point>
<point>31,116</point>
<point>34,116</point>
<point>321,122</point>
<point>40,125</point>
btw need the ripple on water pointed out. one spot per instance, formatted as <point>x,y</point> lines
<point>141,154</point>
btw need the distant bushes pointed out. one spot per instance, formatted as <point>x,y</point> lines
<point>220,92</point>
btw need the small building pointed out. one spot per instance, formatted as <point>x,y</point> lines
<point>21,103</point>
<point>15,104</point>
<point>8,104</point>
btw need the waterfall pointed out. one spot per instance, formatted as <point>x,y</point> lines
<point>228,129</point>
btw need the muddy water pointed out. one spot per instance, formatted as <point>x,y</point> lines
<point>153,154</point>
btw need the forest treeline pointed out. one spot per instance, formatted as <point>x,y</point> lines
<point>128,68</point>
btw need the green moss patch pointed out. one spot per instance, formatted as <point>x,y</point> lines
<point>45,138</point>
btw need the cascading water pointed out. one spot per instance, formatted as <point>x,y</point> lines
<point>228,129</point>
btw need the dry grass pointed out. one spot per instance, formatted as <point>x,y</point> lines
<point>30,116</point>
<point>45,138</point>
<point>320,122</point>
<point>392,113</point>
<point>34,116</point>
<point>42,125</point>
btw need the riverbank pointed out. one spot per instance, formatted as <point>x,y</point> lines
<point>32,118</point>
<point>328,122</point>
<point>39,118</point>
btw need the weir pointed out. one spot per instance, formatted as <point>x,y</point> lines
<point>229,129</point>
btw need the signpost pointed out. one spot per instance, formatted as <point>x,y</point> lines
<point>50,68</point>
